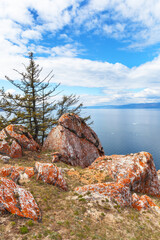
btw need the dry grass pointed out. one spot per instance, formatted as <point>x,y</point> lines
<point>66,217</point>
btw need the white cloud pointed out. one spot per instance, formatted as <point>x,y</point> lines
<point>138,21</point>
<point>10,91</point>
<point>31,34</point>
<point>120,84</point>
<point>68,50</point>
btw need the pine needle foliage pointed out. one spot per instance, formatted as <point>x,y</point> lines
<point>33,108</point>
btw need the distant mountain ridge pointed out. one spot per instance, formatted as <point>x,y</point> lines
<point>127,106</point>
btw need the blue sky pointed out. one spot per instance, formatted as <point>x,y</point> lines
<point>105,51</point>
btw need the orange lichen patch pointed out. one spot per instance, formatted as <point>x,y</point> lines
<point>29,171</point>
<point>15,175</point>
<point>143,203</point>
<point>76,143</point>
<point>23,136</point>
<point>5,171</point>
<point>17,200</point>
<point>14,172</point>
<point>14,138</point>
<point>135,170</point>
<point>50,174</point>
<point>115,191</point>
<point>15,150</point>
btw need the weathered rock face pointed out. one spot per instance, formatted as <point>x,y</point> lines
<point>50,174</point>
<point>17,200</point>
<point>15,138</point>
<point>74,140</point>
<point>115,191</point>
<point>136,171</point>
<point>144,203</point>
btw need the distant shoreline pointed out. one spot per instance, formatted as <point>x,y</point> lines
<point>127,106</point>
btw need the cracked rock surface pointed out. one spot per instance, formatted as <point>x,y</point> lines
<point>15,138</point>
<point>75,141</point>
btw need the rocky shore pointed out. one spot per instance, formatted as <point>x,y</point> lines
<point>72,151</point>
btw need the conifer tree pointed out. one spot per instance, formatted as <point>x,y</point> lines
<point>33,106</point>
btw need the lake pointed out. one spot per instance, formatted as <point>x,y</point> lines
<point>124,131</point>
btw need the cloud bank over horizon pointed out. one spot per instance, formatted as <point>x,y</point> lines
<point>60,33</point>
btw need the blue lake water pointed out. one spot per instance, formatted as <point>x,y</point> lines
<point>124,131</point>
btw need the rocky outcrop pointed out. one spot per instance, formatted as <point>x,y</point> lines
<point>137,171</point>
<point>115,191</point>
<point>119,194</point>
<point>16,173</point>
<point>76,143</point>
<point>134,172</point>
<point>15,138</point>
<point>50,174</point>
<point>46,172</point>
<point>17,200</point>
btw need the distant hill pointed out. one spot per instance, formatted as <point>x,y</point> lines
<point>127,106</point>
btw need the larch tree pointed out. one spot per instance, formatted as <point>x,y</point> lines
<point>34,105</point>
<point>30,107</point>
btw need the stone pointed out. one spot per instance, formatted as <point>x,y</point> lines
<point>115,191</point>
<point>17,200</point>
<point>50,174</point>
<point>15,138</point>
<point>136,171</point>
<point>16,173</point>
<point>74,140</point>
<point>5,159</point>
<point>144,202</point>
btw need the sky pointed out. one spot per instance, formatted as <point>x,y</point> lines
<point>105,51</point>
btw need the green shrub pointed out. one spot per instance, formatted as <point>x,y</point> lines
<point>24,230</point>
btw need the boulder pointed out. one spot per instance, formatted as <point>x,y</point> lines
<point>144,202</point>
<point>17,200</point>
<point>15,138</point>
<point>76,143</point>
<point>134,172</point>
<point>50,174</point>
<point>5,159</point>
<point>137,171</point>
<point>16,173</point>
<point>115,191</point>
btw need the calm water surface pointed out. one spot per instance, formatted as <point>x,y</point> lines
<point>124,131</point>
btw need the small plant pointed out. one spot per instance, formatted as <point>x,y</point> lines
<point>24,230</point>
<point>56,236</point>
<point>30,223</point>
<point>82,199</point>
<point>13,223</point>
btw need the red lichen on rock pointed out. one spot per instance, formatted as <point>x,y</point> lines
<point>135,170</point>
<point>74,140</point>
<point>15,138</point>
<point>115,191</point>
<point>50,174</point>
<point>17,200</point>
<point>15,172</point>
<point>144,203</point>
<point>29,171</point>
